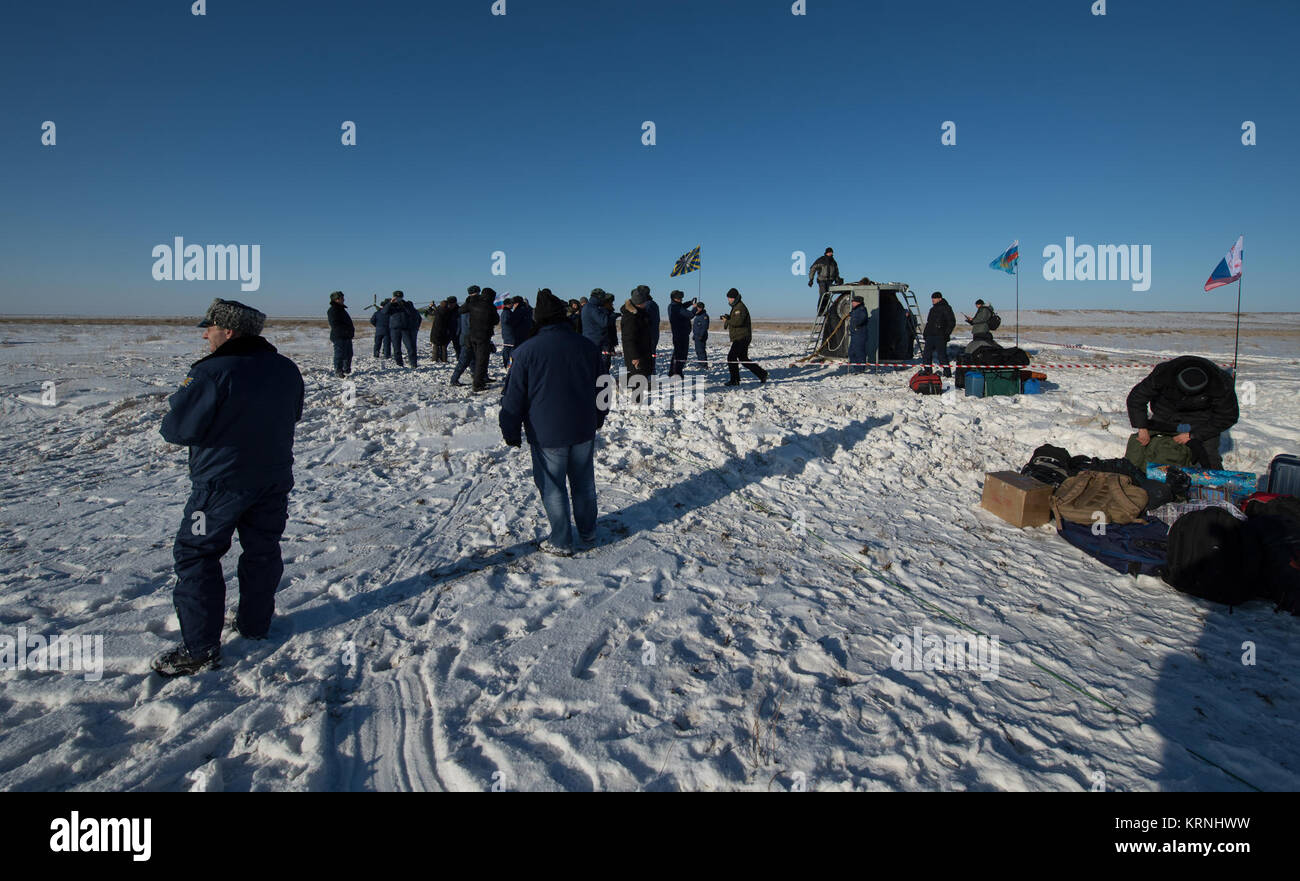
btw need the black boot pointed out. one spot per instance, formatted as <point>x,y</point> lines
<point>179,662</point>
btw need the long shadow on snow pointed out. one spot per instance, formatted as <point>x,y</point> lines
<point>664,506</point>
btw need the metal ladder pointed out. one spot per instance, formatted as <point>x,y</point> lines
<point>815,341</point>
<point>909,299</point>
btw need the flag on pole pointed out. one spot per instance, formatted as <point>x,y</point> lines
<point>1229,268</point>
<point>688,262</point>
<point>500,301</point>
<point>1009,260</point>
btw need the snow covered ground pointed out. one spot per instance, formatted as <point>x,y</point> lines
<point>735,628</point>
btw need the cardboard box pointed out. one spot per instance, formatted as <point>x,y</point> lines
<point>1019,500</point>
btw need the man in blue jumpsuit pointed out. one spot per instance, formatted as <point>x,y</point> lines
<point>859,320</point>
<point>236,411</point>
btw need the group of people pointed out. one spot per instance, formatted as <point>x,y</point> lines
<point>468,328</point>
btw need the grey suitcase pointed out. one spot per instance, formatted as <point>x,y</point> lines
<point>1284,475</point>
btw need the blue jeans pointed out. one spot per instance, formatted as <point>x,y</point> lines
<point>551,465</point>
<point>405,337</point>
<point>464,356</point>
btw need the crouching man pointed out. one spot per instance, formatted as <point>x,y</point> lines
<point>1188,391</point>
<point>551,391</point>
<point>236,411</point>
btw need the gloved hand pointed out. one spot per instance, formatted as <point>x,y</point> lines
<point>810,282</point>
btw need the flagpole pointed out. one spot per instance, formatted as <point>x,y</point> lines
<point>1237,340</point>
<point>1017,303</point>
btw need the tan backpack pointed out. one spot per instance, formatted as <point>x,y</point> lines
<point>1115,495</point>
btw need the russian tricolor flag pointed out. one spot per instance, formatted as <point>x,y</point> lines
<point>1229,268</point>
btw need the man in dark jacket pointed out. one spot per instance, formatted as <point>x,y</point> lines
<point>379,319</point>
<point>403,323</point>
<point>595,325</point>
<point>700,331</point>
<point>611,327</point>
<point>551,392</point>
<point>524,325</point>
<point>436,315</point>
<point>507,331</point>
<point>939,325</point>
<point>636,334</point>
<point>464,348</point>
<point>651,309</point>
<point>1186,391</point>
<point>679,323</point>
<point>341,333</point>
<point>827,272</point>
<point>741,333</point>
<point>482,311</point>
<point>859,322</point>
<point>236,411</point>
<point>574,315</point>
<point>451,326</point>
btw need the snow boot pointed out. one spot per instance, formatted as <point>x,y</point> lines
<point>179,662</point>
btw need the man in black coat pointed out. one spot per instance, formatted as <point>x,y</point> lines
<point>482,313</point>
<point>827,273</point>
<point>341,333</point>
<point>679,323</point>
<point>637,349</point>
<point>939,325</point>
<point>236,411</point>
<point>379,319</point>
<point>1186,391</point>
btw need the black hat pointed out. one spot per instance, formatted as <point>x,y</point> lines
<point>489,293</point>
<point>336,295</point>
<point>676,295</point>
<point>473,289</point>
<point>550,308</point>
<point>1192,380</point>
<point>979,302</point>
<point>598,293</point>
<point>937,295</point>
<point>829,250</point>
<point>639,297</point>
<point>733,293</point>
<point>398,295</point>
<point>857,298</point>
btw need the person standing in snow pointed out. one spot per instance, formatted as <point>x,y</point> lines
<point>679,323</point>
<point>551,393</point>
<point>979,325</point>
<point>859,321</point>
<point>341,333</point>
<point>236,411</point>
<point>595,323</point>
<point>379,318</point>
<point>435,313</point>
<point>700,332</point>
<point>610,346</point>
<point>482,311</point>
<point>636,334</point>
<point>939,325</point>
<point>651,309</point>
<point>403,323</point>
<point>741,333</point>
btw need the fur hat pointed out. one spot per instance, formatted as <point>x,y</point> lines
<point>489,293</point>
<point>640,296</point>
<point>336,296</point>
<point>676,295</point>
<point>937,295</point>
<point>473,289</point>
<point>550,308</point>
<point>398,295</point>
<point>857,298</point>
<point>235,316</point>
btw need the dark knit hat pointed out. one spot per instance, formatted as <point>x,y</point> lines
<point>473,289</point>
<point>1192,380</point>
<point>857,298</point>
<point>937,295</point>
<point>979,302</point>
<point>598,294</point>
<point>335,296</point>
<point>676,295</point>
<point>235,316</point>
<point>639,296</point>
<point>489,293</point>
<point>398,295</point>
<point>550,308</point>
<point>733,294</point>
<point>645,289</point>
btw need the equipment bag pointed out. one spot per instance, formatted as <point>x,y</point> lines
<point>1135,549</point>
<point>1213,556</point>
<point>1161,450</point>
<point>998,383</point>
<point>1080,497</point>
<point>926,382</point>
<point>1275,525</point>
<point>995,321</point>
<point>1048,464</point>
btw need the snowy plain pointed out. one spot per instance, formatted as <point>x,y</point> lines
<point>733,628</point>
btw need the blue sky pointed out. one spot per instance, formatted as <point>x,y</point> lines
<point>522,133</point>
